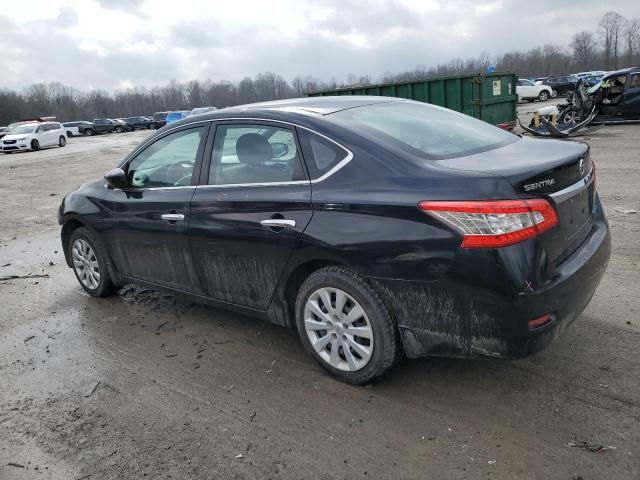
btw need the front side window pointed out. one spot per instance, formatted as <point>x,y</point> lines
<point>254,154</point>
<point>168,162</point>
<point>635,81</point>
<point>425,130</point>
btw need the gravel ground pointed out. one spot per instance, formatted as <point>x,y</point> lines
<point>148,384</point>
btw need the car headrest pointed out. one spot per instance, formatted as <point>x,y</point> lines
<point>253,149</point>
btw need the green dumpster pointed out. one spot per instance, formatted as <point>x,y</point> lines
<point>490,97</point>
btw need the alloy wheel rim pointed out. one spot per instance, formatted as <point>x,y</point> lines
<point>338,328</point>
<point>85,263</point>
<point>571,117</point>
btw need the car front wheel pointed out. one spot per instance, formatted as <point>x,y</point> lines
<point>543,96</point>
<point>89,263</point>
<point>345,326</point>
<point>119,129</point>
<point>35,145</point>
<point>554,93</point>
<point>62,141</point>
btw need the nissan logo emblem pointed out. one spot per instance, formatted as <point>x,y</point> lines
<point>581,166</point>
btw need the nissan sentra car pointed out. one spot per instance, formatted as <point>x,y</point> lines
<point>377,227</point>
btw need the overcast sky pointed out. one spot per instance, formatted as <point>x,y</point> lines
<point>120,43</point>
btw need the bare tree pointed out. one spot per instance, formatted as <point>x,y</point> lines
<point>610,28</point>
<point>584,49</point>
<point>632,39</point>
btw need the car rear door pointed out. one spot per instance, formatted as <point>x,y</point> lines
<point>146,229</point>
<point>247,215</point>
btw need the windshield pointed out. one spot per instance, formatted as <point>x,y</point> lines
<point>426,130</point>
<point>21,129</point>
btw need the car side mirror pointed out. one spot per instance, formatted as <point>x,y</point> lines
<point>116,179</point>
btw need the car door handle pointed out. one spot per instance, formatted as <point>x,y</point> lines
<point>172,217</point>
<point>278,223</point>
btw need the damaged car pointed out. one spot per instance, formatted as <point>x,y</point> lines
<point>615,99</point>
<point>376,227</point>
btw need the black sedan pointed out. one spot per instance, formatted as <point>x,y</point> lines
<point>140,123</point>
<point>377,227</point>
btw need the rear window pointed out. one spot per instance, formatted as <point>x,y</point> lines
<point>426,130</point>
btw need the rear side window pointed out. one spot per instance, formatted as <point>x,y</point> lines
<point>320,153</point>
<point>254,154</point>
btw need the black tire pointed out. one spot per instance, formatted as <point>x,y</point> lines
<point>118,130</point>
<point>88,132</point>
<point>105,287</point>
<point>554,93</point>
<point>543,96</point>
<point>386,342</point>
<point>69,134</point>
<point>35,145</point>
<point>62,141</point>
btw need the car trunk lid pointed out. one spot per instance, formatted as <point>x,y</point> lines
<point>559,171</point>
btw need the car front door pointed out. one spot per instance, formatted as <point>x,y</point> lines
<point>147,222</point>
<point>247,215</point>
<point>631,106</point>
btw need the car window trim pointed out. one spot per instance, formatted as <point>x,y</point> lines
<point>195,177</point>
<point>213,124</point>
<point>206,167</point>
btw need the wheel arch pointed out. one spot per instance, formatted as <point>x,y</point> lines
<point>70,225</point>
<point>295,279</point>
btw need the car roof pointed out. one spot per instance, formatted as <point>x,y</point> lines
<point>324,105</point>
<point>624,71</point>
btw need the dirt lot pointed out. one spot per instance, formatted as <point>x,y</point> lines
<point>150,385</point>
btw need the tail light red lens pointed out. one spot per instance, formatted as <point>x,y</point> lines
<point>538,322</point>
<point>496,223</point>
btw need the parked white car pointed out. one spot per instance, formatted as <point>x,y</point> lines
<point>527,90</point>
<point>33,136</point>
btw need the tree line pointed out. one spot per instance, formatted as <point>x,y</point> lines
<point>615,44</point>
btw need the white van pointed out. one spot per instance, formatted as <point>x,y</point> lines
<point>33,136</point>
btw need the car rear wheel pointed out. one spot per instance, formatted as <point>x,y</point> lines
<point>345,326</point>
<point>89,264</point>
<point>69,134</point>
<point>543,96</point>
<point>118,129</point>
<point>554,93</point>
<point>88,132</point>
<point>62,141</point>
<point>35,145</point>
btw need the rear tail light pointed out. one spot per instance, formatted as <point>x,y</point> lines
<point>497,223</point>
<point>538,322</point>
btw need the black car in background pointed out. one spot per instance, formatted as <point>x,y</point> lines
<point>107,125</point>
<point>561,84</point>
<point>160,119</point>
<point>138,123</point>
<point>375,226</point>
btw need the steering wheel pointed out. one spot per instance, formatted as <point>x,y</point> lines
<point>180,170</point>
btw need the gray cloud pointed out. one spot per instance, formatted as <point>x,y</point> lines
<point>390,37</point>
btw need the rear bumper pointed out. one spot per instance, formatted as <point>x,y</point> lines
<point>459,316</point>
